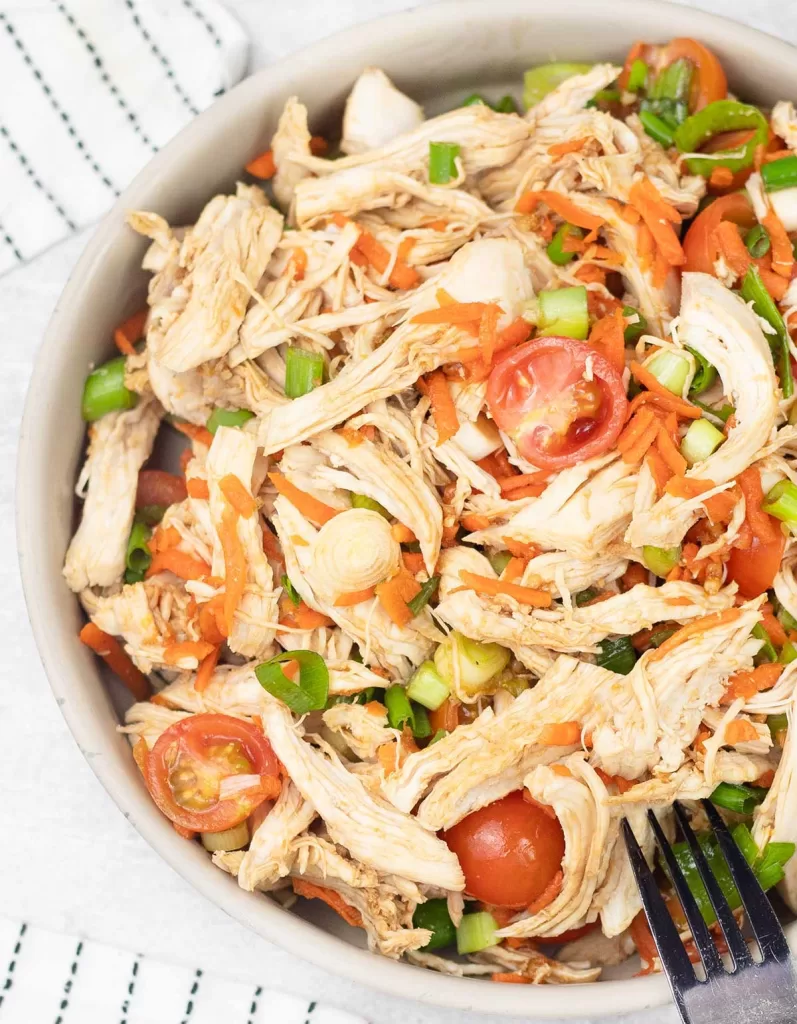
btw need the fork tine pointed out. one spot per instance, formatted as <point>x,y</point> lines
<point>759,910</point>
<point>737,946</point>
<point>673,955</point>
<point>709,954</point>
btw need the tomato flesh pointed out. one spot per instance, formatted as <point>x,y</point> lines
<point>559,400</point>
<point>509,851</point>
<point>191,760</point>
<point>754,568</point>
<point>698,244</point>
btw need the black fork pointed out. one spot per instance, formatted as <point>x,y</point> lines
<point>753,991</point>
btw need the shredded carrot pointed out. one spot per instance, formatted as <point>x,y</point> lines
<point>354,597</point>
<point>392,755</point>
<point>237,495</point>
<point>721,177</point>
<point>728,242</point>
<point>271,546</point>
<point>401,276</point>
<point>163,538</point>
<point>560,204</point>
<point>299,261</point>
<point>449,535</point>
<point>673,459</point>
<point>748,684</point>
<point>197,487</point>
<point>452,313</point>
<point>646,379</point>
<point>488,337</point>
<point>607,336</point>
<point>309,506</point>
<point>562,770</point>
<point>563,148</point>
<point>444,410</point>
<point>180,563</point>
<point>520,481</point>
<point>211,620</point>
<point>630,215</point>
<point>198,649</point>
<point>636,451</point>
<point>234,564</point>
<point>199,434</point>
<point>661,269</point>
<point>141,753</point>
<point>658,468</point>
<point>548,895</point>
<point>520,549</point>
<point>760,523</point>
<point>623,784</point>
<point>505,978</point>
<point>739,731</point>
<point>474,522</point>
<point>402,534</point>
<point>497,464</point>
<point>514,570</point>
<point>782,254</point>
<point>413,561</point>
<point>439,224</point>
<point>394,594</point>
<point>694,628</point>
<point>318,145</point>
<point>688,487</point>
<point>129,332</point>
<point>765,780</point>
<point>492,588</point>
<point>774,630</point>
<point>659,218</point>
<point>262,166</point>
<point>309,618</point>
<point>560,734</point>
<point>110,650</point>
<point>311,891</point>
<point>635,427</point>
<point>634,574</point>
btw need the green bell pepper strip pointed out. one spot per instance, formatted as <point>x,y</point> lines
<point>717,117</point>
<point>753,290</point>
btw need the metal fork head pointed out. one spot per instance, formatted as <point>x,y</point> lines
<point>769,992</point>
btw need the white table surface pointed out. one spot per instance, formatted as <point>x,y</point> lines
<point>71,862</point>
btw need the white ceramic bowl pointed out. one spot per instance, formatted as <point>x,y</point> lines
<point>437,54</point>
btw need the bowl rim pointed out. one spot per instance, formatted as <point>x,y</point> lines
<point>299,937</point>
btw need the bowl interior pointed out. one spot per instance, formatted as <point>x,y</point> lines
<point>438,54</point>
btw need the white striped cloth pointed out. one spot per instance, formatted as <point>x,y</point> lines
<point>89,90</point>
<point>48,978</point>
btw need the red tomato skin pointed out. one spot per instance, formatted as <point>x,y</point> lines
<point>157,487</point>
<point>509,851</point>
<point>709,83</point>
<point>754,568</point>
<point>509,400</point>
<point>194,735</point>
<point>701,253</point>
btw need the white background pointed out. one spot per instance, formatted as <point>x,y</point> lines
<point>70,860</point>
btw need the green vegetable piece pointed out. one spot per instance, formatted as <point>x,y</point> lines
<point>658,638</point>
<point>657,128</point>
<point>586,596</point>
<point>717,117</point>
<point>227,418</point>
<point>291,591</point>
<point>477,663</point>
<point>420,724</point>
<point>556,253</point>
<point>777,724</point>
<point>424,595</point>
<point>781,502</point>
<point>151,515</point>
<point>617,655</point>
<point>673,82</point>
<point>105,391</point>
<point>767,653</point>
<point>427,688</point>
<point>753,290</point>
<point>539,81</point>
<point>670,370</point>
<point>564,312</point>
<point>661,561</point>
<point>788,653</point>
<point>740,799</point>
<point>133,576</point>
<point>363,501</point>
<point>637,76</point>
<point>723,414</point>
<point>705,374</point>
<point>757,239</point>
<point>506,105</point>
<point>744,840</point>
<point>476,932</point>
<point>139,556</point>
<point>439,735</point>
<point>633,331</point>
<point>499,560</point>
<point>399,709</point>
<point>780,174</point>
<point>474,99</point>
<point>433,915</point>
<point>313,688</point>
<point>442,162</point>
<point>700,440</point>
<point>304,371</point>
<point>604,96</point>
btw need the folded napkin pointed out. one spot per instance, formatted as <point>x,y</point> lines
<point>47,977</point>
<point>89,91</point>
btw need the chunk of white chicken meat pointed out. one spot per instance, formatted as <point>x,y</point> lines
<point>362,729</point>
<point>529,965</point>
<point>376,113</point>
<point>616,899</point>
<point>119,445</point>
<point>572,95</point>
<point>782,201</point>
<point>272,851</point>
<point>290,143</point>
<point>490,270</point>
<point>373,831</point>
<point>727,333</point>
<point>233,453</point>
<point>146,721</point>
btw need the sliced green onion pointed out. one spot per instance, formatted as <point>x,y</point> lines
<point>151,514</point>
<point>105,391</point>
<point>442,162</point>
<point>661,561</point>
<point>439,735</point>
<point>700,440</point>
<point>424,595</point>
<point>291,591</point>
<point>757,239</point>
<point>499,560</point>
<point>721,116</point>
<point>363,501</point>
<point>767,653</point>
<point>724,413</point>
<point>781,501</point>
<point>637,76</point>
<point>617,655</point>
<point>658,638</point>
<point>753,290</point>
<point>399,709</point>
<point>133,576</point>
<point>514,685</point>
<point>420,724</point>
<point>670,370</point>
<point>744,840</point>
<point>434,916</point>
<point>139,556</point>
<point>473,99</point>
<point>636,330</point>
<point>426,687</point>
<point>556,254</point>
<point>740,799</point>
<point>604,96</point>
<point>235,838</point>
<point>770,876</point>
<point>705,375</point>
<point>304,371</point>
<point>778,724</point>
<point>776,853</point>
<point>656,128</point>
<point>586,596</point>
<point>673,82</point>
<point>313,689</point>
<point>227,418</point>
<point>539,81</point>
<point>564,312</point>
<point>476,932</point>
<point>780,174</point>
<point>477,663</point>
<point>506,105</point>
<point>788,653</point>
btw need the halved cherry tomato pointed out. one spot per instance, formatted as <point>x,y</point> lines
<point>755,568</point>
<point>156,487</point>
<point>701,253</point>
<point>559,408</point>
<point>191,758</point>
<point>709,82</point>
<point>509,851</point>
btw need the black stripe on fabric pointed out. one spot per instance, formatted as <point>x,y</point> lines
<point>28,168</point>
<point>65,119</point>
<point>12,963</point>
<point>105,78</point>
<point>68,983</point>
<point>253,1006</point>
<point>189,1007</point>
<point>201,17</point>
<point>12,245</point>
<point>160,56</point>
<point>131,987</point>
